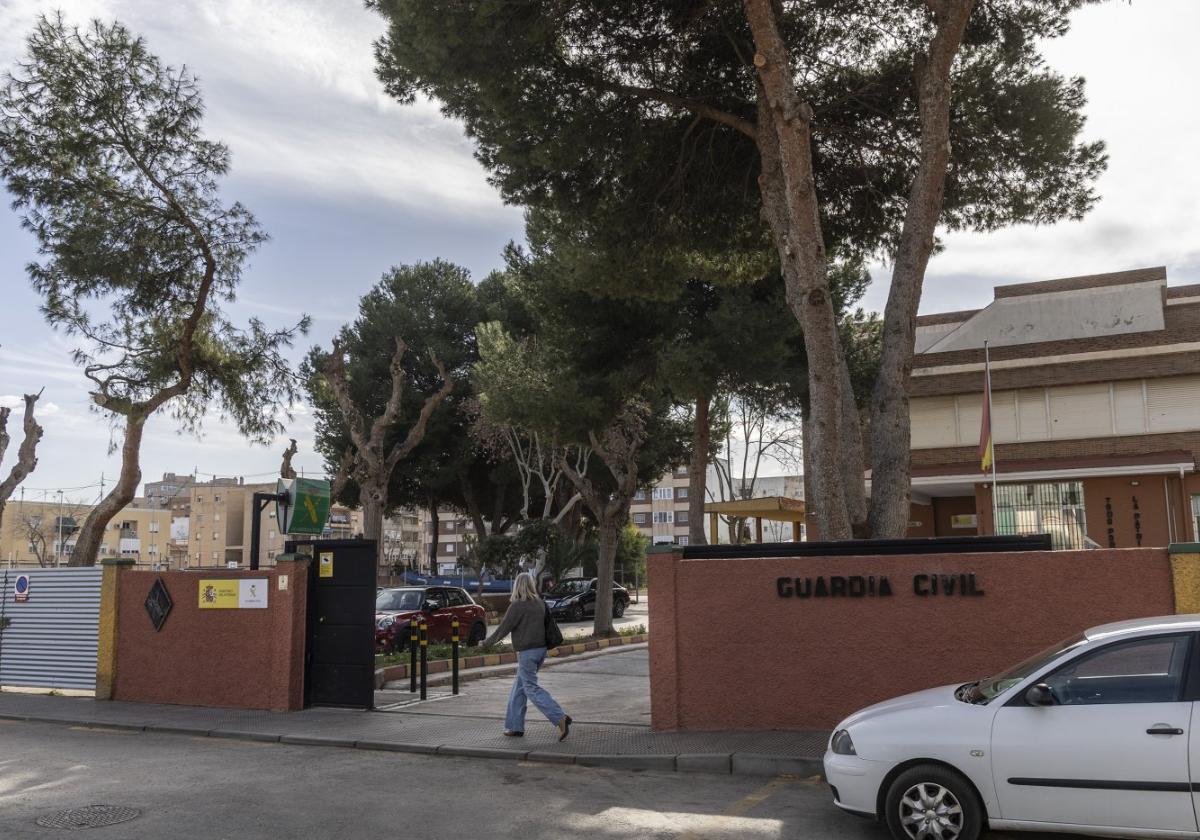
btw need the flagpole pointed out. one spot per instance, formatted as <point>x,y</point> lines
<point>987,367</point>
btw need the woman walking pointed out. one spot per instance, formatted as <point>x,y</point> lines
<point>526,620</point>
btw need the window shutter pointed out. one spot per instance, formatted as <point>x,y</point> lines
<point>1032,414</point>
<point>1130,408</point>
<point>1078,411</point>
<point>933,422</point>
<point>1173,404</point>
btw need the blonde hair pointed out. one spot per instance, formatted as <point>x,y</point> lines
<point>524,589</point>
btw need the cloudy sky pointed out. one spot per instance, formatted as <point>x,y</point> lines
<point>348,183</point>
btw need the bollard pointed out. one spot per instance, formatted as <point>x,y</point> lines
<point>454,655</point>
<point>424,645</point>
<point>412,656</point>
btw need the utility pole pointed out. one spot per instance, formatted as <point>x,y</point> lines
<point>58,545</point>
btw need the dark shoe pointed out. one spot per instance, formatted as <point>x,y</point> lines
<point>564,727</point>
<point>514,734</point>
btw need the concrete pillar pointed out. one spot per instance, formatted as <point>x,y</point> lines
<point>758,529</point>
<point>106,650</point>
<point>1185,576</point>
<point>714,533</point>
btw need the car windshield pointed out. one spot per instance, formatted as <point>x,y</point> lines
<point>570,587</point>
<point>991,687</point>
<point>400,599</point>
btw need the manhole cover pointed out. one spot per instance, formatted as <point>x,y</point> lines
<point>90,816</point>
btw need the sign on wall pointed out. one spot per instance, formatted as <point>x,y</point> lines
<point>233,594</point>
<point>21,589</point>
<point>326,564</point>
<point>307,508</point>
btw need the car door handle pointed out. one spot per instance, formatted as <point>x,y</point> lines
<point>1163,730</point>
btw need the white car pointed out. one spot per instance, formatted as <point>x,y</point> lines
<point>1091,736</point>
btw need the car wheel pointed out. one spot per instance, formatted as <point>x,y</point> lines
<point>931,801</point>
<point>577,612</point>
<point>618,608</point>
<point>477,635</point>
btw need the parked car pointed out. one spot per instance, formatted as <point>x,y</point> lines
<point>574,599</point>
<point>439,604</point>
<point>1090,736</point>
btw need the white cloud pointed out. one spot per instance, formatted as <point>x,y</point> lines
<point>289,85</point>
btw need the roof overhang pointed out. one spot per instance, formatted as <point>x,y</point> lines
<point>774,508</point>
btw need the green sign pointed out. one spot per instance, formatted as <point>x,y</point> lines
<point>307,509</point>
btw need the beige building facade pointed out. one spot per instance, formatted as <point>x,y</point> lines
<point>43,533</point>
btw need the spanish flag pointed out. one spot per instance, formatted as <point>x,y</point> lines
<point>985,426</point>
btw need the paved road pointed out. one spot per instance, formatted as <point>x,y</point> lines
<point>209,788</point>
<point>635,615</point>
<point>612,688</point>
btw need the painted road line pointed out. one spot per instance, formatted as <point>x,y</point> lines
<point>738,808</point>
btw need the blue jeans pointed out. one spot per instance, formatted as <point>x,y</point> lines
<point>525,686</point>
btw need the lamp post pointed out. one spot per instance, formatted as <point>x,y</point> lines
<point>58,546</point>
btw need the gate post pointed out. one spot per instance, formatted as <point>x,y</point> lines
<point>106,648</point>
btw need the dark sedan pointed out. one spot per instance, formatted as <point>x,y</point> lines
<point>394,608</point>
<point>574,599</point>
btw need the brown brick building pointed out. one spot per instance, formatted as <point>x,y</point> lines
<point>1095,412</point>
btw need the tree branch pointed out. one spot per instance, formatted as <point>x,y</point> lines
<point>26,453</point>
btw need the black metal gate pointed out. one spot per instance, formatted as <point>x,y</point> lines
<point>340,654</point>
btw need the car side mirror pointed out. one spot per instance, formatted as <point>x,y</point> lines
<point>1040,695</point>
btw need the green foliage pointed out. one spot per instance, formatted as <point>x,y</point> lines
<point>631,554</point>
<point>102,150</point>
<point>589,109</point>
<point>433,307</point>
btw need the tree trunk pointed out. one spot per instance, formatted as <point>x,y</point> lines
<point>891,453</point>
<point>789,203</point>
<point>698,472</point>
<point>610,531</point>
<point>435,533</point>
<point>91,535</point>
<point>373,498</point>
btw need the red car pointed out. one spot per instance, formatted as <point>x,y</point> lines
<point>439,604</point>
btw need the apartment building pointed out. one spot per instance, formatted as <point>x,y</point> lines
<point>217,522</point>
<point>44,533</point>
<point>661,511</point>
<point>1095,413</point>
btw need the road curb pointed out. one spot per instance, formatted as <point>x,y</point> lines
<point>628,762</point>
<point>760,764</point>
<point>738,764</point>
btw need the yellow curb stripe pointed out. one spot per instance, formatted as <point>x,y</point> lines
<point>738,808</point>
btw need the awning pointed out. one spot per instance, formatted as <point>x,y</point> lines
<point>770,508</point>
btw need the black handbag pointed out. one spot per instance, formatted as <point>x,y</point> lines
<point>554,636</point>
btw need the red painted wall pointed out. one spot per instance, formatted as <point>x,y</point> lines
<point>230,658</point>
<point>727,652</point>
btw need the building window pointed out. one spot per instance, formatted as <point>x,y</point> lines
<point>682,518</point>
<point>216,536</point>
<point>216,499</point>
<point>214,555</point>
<point>1054,508</point>
<point>664,493</point>
<point>639,496</point>
<point>639,519</point>
<point>662,516</point>
<point>216,517</point>
<point>199,498</point>
<point>681,492</point>
<point>449,548</point>
<point>681,540</point>
<point>153,527</point>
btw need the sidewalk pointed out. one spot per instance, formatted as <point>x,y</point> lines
<point>608,696</point>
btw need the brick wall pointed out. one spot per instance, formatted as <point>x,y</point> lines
<point>803,663</point>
